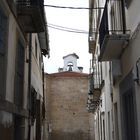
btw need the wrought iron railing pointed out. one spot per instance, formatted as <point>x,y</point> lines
<point>96,81</point>
<point>33,11</point>
<point>96,75</point>
<point>31,3</point>
<point>114,14</point>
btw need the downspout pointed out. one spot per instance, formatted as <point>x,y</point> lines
<point>43,104</point>
<point>29,85</point>
<point>43,93</point>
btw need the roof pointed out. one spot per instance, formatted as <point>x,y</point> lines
<point>72,54</point>
<point>69,74</point>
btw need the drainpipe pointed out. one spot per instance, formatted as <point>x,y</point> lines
<point>43,105</point>
<point>29,84</point>
<point>43,93</point>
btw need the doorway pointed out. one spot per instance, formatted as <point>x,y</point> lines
<point>19,128</point>
<point>128,108</point>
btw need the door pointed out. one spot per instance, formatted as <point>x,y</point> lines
<point>128,108</point>
<point>19,128</point>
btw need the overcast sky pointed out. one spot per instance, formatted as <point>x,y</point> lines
<point>63,43</point>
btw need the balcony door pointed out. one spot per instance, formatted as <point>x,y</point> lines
<point>129,128</point>
<point>19,128</point>
<point>117,14</point>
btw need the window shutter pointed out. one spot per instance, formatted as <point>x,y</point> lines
<point>19,75</point>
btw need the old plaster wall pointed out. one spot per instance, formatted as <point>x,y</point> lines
<point>68,118</point>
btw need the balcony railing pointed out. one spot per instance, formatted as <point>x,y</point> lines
<point>113,36</point>
<point>92,43</point>
<point>96,83</point>
<point>31,15</point>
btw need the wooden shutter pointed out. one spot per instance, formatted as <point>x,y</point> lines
<point>19,74</point>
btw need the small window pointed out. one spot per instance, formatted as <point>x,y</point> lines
<point>40,61</point>
<point>70,66</point>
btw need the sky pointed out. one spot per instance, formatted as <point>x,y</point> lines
<point>63,43</point>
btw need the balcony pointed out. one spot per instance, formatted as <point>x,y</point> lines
<point>93,100</point>
<point>96,83</point>
<point>31,15</point>
<point>113,37</point>
<point>92,44</point>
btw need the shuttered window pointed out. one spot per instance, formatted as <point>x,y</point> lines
<point>19,74</point>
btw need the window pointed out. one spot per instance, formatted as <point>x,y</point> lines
<point>19,127</point>
<point>19,74</point>
<point>129,115</point>
<point>40,61</point>
<point>70,66</point>
<point>116,121</point>
<point>117,14</point>
<point>3,37</point>
<point>101,127</point>
<point>36,48</point>
<point>128,104</point>
<point>38,119</point>
<point>104,130</point>
<point>109,127</point>
<point>33,105</point>
<point>3,29</point>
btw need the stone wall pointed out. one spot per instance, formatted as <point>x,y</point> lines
<point>66,106</point>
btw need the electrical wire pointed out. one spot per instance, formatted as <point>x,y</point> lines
<point>62,29</point>
<point>65,7</point>
<point>66,28</point>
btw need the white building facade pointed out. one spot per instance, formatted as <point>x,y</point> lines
<point>21,72</point>
<point>114,42</point>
